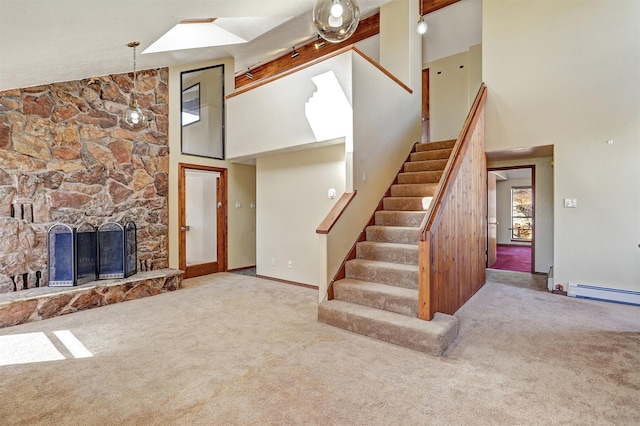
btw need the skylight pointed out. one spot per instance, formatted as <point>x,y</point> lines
<point>211,32</point>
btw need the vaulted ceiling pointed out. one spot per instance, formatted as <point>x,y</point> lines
<point>44,41</point>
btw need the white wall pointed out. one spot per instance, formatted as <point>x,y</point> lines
<point>567,73</point>
<point>293,173</point>
<point>453,84</point>
<point>241,180</point>
<point>452,30</point>
<point>292,190</point>
<point>271,118</point>
<point>448,96</point>
<point>385,125</point>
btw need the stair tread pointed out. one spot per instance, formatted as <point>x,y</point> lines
<point>377,295</point>
<point>431,337</point>
<point>383,264</point>
<point>388,244</point>
<point>432,184</point>
<point>430,146</point>
<point>425,165</point>
<point>403,292</point>
<point>414,228</point>
<point>402,212</point>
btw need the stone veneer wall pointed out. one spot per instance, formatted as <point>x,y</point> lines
<point>66,157</point>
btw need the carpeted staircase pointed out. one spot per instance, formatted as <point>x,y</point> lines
<point>379,296</point>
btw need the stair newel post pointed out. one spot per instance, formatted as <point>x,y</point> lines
<point>425,250</point>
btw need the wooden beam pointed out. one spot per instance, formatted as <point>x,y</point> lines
<point>428,6</point>
<point>366,28</point>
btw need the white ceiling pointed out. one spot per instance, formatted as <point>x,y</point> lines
<point>46,41</point>
<point>512,174</point>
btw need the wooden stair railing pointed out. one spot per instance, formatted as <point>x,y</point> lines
<point>452,239</point>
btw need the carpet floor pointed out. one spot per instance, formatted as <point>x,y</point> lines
<point>230,349</point>
<point>513,258</point>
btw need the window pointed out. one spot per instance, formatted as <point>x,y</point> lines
<point>191,105</point>
<point>521,213</point>
<point>202,107</point>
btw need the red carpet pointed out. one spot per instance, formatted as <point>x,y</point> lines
<point>513,258</point>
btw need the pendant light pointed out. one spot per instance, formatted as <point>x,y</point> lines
<point>133,117</point>
<point>336,20</point>
<point>422,26</point>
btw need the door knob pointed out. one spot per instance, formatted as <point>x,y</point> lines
<point>219,204</point>
<point>184,228</point>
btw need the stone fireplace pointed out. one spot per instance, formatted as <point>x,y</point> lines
<point>66,158</point>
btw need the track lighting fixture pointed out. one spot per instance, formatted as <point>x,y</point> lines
<point>320,43</point>
<point>295,53</point>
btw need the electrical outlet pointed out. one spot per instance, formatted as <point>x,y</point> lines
<point>571,203</point>
<point>273,261</point>
<point>290,264</point>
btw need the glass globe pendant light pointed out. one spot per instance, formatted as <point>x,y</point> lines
<point>336,20</point>
<point>422,26</point>
<point>133,116</point>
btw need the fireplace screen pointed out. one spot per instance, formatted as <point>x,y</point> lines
<point>72,255</point>
<point>117,250</point>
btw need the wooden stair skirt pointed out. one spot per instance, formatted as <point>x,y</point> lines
<point>379,295</point>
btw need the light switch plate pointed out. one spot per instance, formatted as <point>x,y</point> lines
<point>571,203</point>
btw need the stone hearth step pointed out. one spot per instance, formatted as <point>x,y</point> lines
<point>383,272</point>
<point>431,337</point>
<point>380,296</point>
<point>47,302</point>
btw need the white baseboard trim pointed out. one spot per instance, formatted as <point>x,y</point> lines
<point>607,294</point>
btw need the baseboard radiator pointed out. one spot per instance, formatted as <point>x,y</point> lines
<point>629,297</point>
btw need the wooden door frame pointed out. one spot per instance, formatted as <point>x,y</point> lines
<point>222,220</point>
<point>426,125</point>
<point>492,236</point>
<point>533,196</point>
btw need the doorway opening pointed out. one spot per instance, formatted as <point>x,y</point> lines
<point>511,218</point>
<point>202,217</point>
